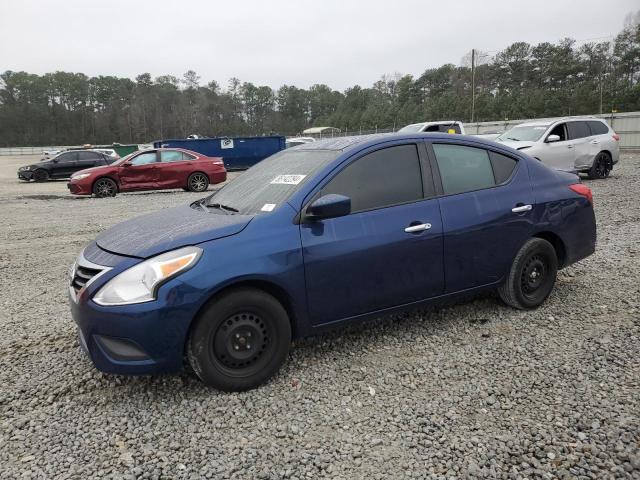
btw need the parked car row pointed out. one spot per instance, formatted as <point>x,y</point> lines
<point>315,236</point>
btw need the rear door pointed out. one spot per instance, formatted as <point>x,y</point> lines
<point>89,159</point>
<point>579,135</point>
<point>64,165</point>
<point>373,259</point>
<point>174,168</point>
<point>599,139</point>
<point>486,203</point>
<point>141,174</point>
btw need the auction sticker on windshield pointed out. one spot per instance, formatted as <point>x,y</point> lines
<point>267,207</point>
<point>288,179</point>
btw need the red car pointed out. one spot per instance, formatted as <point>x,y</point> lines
<point>157,169</point>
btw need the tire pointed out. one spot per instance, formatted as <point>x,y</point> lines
<point>197,182</point>
<point>601,167</point>
<point>532,275</point>
<point>105,187</point>
<point>40,175</point>
<point>240,340</point>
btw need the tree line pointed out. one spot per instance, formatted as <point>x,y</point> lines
<point>521,81</point>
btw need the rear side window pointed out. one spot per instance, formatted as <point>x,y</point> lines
<point>67,157</point>
<point>171,156</point>
<point>598,128</point>
<point>88,156</point>
<point>463,169</point>
<point>386,177</point>
<point>578,130</point>
<point>502,165</point>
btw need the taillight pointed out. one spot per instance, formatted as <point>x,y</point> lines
<point>583,190</point>
<point>616,137</point>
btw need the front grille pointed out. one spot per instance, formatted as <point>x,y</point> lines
<point>82,275</point>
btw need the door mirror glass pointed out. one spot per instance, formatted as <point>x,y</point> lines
<point>553,138</point>
<point>329,206</point>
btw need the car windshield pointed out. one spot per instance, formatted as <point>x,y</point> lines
<point>267,185</point>
<point>529,133</point>
<point>411,128</point>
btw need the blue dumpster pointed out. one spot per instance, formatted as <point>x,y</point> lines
<point>238,153</point>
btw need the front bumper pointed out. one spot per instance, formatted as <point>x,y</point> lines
<point>25,174</point>
<point>77,188</point>
<point>146,338</point>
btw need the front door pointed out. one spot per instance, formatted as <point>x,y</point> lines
<point>64,165</point>
<point>388,251</point>
<point>140,173</point>
<point>560,154</point>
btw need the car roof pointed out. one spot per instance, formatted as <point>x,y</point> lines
<point>363,141</point>
<point>550,121</point>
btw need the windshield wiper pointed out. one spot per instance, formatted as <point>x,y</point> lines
<point>219,206</point>
<point>514,139</point>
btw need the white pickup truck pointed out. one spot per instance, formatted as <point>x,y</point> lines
<point>446,126</point>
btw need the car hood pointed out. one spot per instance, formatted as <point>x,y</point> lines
<point>516,145</point>
<point>166,230</point>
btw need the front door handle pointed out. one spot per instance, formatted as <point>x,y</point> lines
<point>418,228</point>
<point>569,146</point>
<point>521,208</point>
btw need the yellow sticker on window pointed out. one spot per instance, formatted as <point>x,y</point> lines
<point>451,130</point>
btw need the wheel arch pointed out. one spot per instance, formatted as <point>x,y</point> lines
<point>557,243</point>
<point>273,289</point>
<point>106,176</point>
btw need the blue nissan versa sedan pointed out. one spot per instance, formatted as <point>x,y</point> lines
<point>318,235</point>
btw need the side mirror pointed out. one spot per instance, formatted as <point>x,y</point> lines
<point>553,138</point>
<point>54,160</point>
<point>126,164</point>
<point>329,206</point>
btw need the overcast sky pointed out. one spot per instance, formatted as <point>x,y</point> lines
<point>300,43</point>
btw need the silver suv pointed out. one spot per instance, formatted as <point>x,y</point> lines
<point>586,145</point>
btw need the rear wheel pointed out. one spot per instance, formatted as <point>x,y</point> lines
<point>532,275</point>
<point>40,175</point>
<point>601,167</point>
<point>197,182</point>
<point>105,187</point>
<point>240,340</point>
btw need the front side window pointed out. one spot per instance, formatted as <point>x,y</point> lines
<point>559,130</point>
<point>171,156</point>
<point>379,179</point>
<point>67,157</point>
<point>578,130</point>
<point>144,158</point>
<point>465,169</point>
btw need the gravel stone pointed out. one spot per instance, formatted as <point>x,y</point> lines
<point>475,390</point>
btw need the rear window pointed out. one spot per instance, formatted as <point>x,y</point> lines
<point>267,185</point>
<point>598,128</point>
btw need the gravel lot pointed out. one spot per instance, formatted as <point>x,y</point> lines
<point>469,391</point>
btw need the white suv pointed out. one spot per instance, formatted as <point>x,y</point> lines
<point>586,145</point>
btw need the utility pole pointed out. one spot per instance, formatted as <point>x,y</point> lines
<point>473,83</point>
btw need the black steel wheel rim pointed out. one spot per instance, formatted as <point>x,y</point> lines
<point>535,274</point>
<point>242,343</point>
<point>105,188</point>
<point>198,182</point>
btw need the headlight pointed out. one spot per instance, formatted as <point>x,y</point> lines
<point>80,177</point>
<point>140,283</point>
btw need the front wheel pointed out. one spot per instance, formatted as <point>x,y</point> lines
<point>601,167</point>
<point>40,175</point>
<point>532,275</point>
<point>197,182</point>
<point>105,187</point>
<point>240,340</point>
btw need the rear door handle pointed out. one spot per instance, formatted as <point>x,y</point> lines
<point>595,142</point>
<point>521,208</point>
<point>418,228</point>
<point>569,146</point>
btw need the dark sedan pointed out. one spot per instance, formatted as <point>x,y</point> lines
<point>63,165</point>
<point>320,235</point>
